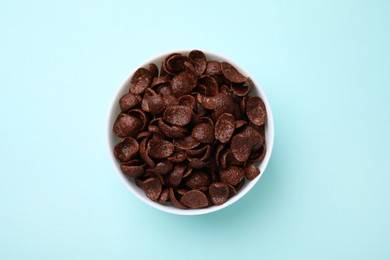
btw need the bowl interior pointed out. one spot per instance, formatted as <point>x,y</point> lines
<point>129,182</point>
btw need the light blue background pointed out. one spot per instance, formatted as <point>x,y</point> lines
<point>324,65</point>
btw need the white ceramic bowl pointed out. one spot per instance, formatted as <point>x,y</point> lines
<point>138,192</point>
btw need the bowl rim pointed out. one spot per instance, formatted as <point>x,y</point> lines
<point>170,209</point>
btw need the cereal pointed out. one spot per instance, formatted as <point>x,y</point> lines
<point>232,74</point>
<point>241,146</point>
<point>255,110</point>
<point>178,115</point>
<point>153,70</point>
<point>171,131</point>
<point>141,115</point>
<point>127,149</point>
<point>197,180</point>
<point>187,143</point>
<point>159,148</point>
<point>219,193</point>
<point>152,188</point>
<point>251,171</point>
<point>199,60</point>
<point>152,102</point>
<point>224,127</point>
<point>129,101</point>
<point>210,85</point>
<point>140,81</point>
<point>164,197</point>
<point>213,68</point>
<point>134,168</point>
<point>174,200</point>
<point>188,101</point>
<point>190,133</point>
<point>163,167</point>
<point>232,175</point>
<point>175,63</point>
<point>176,175</point>
<point>194,199</point>
<point>223,103</point>
<point>127,126</point>
<point>178,156</point>
<point>144,152</point>
<point>182,84</point>
<point>258,156</point>
<point>203,133</point>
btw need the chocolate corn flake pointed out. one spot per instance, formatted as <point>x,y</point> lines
<point>256,111</point>
<point>144,152</point>
<point>200,61</point>
<point>223,103</point>
<point>129,101</point>
<point>127,149</point>
<point>251,171</point>
<point>175,202</point>
<point>182,84</point>
<point>224,127</point>
<point>127,125</point>
<point>203,133</point>
<point>232,74</point>
<point>213,68</point>
<point>176,175</point>
<point>176,63</point>
<point>163,167</point>
<point>164,196</point>
<point>160,148</point>
<point>186,143</point>
<point>152,188</point>
<point>197,180</point>
<point>140,81</point>
<point>232,175</point>
<point>219,193</point>
<point>178,156</point>
<point>153,103</point>
<point>134,168</point>
<point>241,146</point>
<point>178,115</point>
<point>153,70</point>
<point>194,199</point>
<point>210,85</point>
<point>187,100</point>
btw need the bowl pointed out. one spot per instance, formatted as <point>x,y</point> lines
<point>138,192</point>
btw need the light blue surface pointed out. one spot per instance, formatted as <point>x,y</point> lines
<point>324,65</point>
